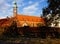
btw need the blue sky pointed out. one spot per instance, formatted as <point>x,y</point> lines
<point>25,7</point>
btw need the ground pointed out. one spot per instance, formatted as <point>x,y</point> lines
<point>24,40</point>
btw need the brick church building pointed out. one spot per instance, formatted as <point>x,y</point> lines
<point>22,20</point>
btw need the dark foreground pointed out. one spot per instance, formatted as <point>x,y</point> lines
<point>36,35</point>
<point>29,41</point>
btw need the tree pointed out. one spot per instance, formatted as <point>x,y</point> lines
<point>54,5</point>
<point>12,30</point>
<point>53,9</point>
<point>45,11</point>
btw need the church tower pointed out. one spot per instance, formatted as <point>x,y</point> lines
<point>15,9</point>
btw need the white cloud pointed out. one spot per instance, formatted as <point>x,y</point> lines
<point>2,1</point>
<point>30,2</point>
<point>31,9</point>
<point>5,9</point>
<point>5,13</point>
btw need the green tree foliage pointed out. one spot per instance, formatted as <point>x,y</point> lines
<point>45,11</point>
<point>53,7</point>
<point>12,31</point>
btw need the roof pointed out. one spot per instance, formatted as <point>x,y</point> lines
<point>30,18</point>
<point>7,21</point>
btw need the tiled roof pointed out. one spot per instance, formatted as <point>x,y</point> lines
<point>7,21</point>
<point>30,18</point>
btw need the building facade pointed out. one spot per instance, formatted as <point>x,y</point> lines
<point>22,20</point>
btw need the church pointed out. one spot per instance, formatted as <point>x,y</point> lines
<point>22,20</point>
